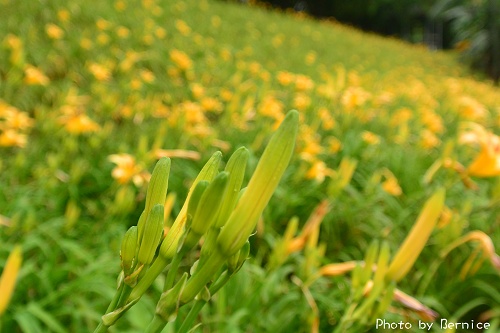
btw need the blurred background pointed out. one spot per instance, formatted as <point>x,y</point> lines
<point>471,26</point>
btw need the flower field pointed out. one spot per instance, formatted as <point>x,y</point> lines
<point>387,209</point>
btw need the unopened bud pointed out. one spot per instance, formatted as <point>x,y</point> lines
<point>128,249</point>
<point>153,230</point>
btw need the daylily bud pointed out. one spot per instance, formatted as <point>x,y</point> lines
<point>169,245</point>
<point>157,188</point>
<point>194,201</point>
<point>417,238</point>
<point>264,181</point>
<point>236,167</point>
<point>153,231</point>
<point>243,219</point>
<point>210,202</point>
<point>9,277</point>
<point>128,249</point>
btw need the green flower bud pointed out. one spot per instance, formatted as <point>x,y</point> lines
<point>194,201</point>
<point>153,231</point>
<point>168,304</point>
<point>210,203</point>
<point>157,188</point>
<point>207,210</point>
<point>171,242</point>
<point>264,181</point>
<point>128,249</point>
<point>236,167</point>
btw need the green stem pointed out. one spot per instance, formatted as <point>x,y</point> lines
<point>200,303</point>
<point>112,306</point>
<point>191,316</point>
<point>147,280</point>
<point>156,325</point>
<point>101,328</point>
<point>172,272</point>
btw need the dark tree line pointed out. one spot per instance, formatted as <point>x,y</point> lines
<point>474,25</point>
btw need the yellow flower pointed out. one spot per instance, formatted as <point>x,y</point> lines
<point>122,32</point>
<point>318,171</point>
<point>182,27</point>
<point>303,83</point>
<point>100,72</point>
<point>310,58</point>
<point>53,31</point>
<point>9,277</point>
<point>34,76</point>
<point>471,109</point>
<point>391,185</point>
<point>211,104</point>
<point>285,78</point>
<point>334,145</point>
<point>428,139</point>
<point>370,138</point>
<point>327,121</point>
<point>102,24</point>
<point>79,123</point>
<point>12,138</point>
<point>127,170</point>
<point>63,15</point>
<point>270,107</point>
<point>301,101</point>
<point>487,162</point>
<point>181,59</point>
<point>354,97</point>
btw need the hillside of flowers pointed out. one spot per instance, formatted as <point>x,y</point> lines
<point>93,94</point>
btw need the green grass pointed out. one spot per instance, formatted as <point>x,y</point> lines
<point>69,214</point>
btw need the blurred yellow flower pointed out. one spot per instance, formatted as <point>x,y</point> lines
<point>147,76</point>
<point>285,78</point>
<point>303,83</point>
<point>370,138</point>
<point>391,186</point>
<point>12,138</point>
<point>79,123</point>
<point>127,170</point>
<point>334,145</point>
<point>310,57</point>
<point>327,121</point>
<point>354,97</point>
<point>122,32</point>
<point>471,109</point>
<point>211,104</point>
<point>63,15</point>
<point>270,107</point>
<point>34,76</point>
<point>100,72</point>
<point>428,139</point>
<point>9,277</point>
<point>182,27</point>
<point>102,24</point>
<point>181,59</point>
<point>53,31</point>
<point>487,162</point>
<point>301,101</point>
<point>318,171</point>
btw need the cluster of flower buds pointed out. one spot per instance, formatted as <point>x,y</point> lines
<point>216,210</point>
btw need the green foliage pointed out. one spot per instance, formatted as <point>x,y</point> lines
<point>93,94</point>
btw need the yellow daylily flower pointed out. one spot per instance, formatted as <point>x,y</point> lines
<point>487,162</point>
